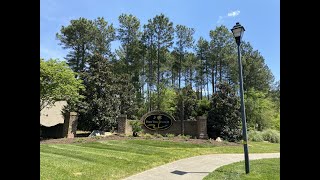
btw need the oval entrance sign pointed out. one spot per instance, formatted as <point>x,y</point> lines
<point>157,120</point>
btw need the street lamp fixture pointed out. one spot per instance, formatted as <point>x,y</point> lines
<point>238,31</point>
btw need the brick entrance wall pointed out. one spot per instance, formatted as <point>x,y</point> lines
<point>196,128</point>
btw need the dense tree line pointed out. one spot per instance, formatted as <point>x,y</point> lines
<point>159,65</point>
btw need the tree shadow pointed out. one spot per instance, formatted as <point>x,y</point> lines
<point>184,172</point>
<point>82,134</point>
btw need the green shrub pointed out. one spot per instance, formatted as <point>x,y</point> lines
<point>271,135</point>
<point>148,136</point>
<point>136,127</point>
<point>97,137</point>
<point>158,135</point>
<point>210,140</point>
<point>170,135</point>
<point>185,137</point>
<point>79,140</point>
<point>255,136</point>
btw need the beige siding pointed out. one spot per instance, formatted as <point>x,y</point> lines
<point>53,115</point>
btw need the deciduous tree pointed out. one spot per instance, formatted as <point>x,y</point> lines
<point>57,82</point>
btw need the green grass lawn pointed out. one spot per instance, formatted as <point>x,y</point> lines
<point>266,169</point>
<point>116,159</point>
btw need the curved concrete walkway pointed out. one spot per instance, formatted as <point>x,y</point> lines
<point>195,168</point>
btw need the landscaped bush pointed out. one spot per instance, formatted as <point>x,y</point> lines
<point>148,136</point>
<point>210,140</point>
<point>185,137</point>
<point>271,135</point>
<point>255,136</point>
<point>97,137</point>
<point>79,140</point>
<point>136,127</point>
<point>158,135</point>
<point>170,135</point>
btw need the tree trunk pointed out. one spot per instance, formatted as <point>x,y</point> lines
<point>220,71</point>
<point>143,76</point>
<point>172,77</point>
<point>207,74</point>
<point>201,76</point>
<point>185,78</point>
<point>212,79</point>
<point>150,77</point>
<point>215,79</point>
<point>190,76</point>
<point>182,113</point>
<point>182,116</point>
<point>158,78</point>
<point>83,57</point>
<point>180,61</point>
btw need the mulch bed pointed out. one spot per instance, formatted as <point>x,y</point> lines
<point>121,137</point>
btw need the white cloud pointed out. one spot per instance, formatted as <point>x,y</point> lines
<point>49,19</point>
<point>220,20</point>
<point>230,14</point>
<point>60,20</point>
<point>234,13</point>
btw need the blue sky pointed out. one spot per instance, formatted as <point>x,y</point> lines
<point>261,20</point>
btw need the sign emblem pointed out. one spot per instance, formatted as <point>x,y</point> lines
<point>157,120</point>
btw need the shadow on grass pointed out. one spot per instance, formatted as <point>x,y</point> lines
<point>83,134</point>
<point>183,172</point>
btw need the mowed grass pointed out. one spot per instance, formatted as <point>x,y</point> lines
<point>266,169</point>
<point>116,159</point>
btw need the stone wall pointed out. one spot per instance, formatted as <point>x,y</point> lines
<point>70,125</point>
<point>124,126</point>
<point>190,128</point>
<point>202,127</point>
<point>196,128</point>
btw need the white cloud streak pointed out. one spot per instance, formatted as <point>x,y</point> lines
<point>49,19</point>
<point>230,14</point>
<point>220,20</point>
<point>234,13</point>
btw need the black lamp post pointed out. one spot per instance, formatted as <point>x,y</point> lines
<point>238,31</point>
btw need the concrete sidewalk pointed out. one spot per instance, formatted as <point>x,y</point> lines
<point>195,168</point>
